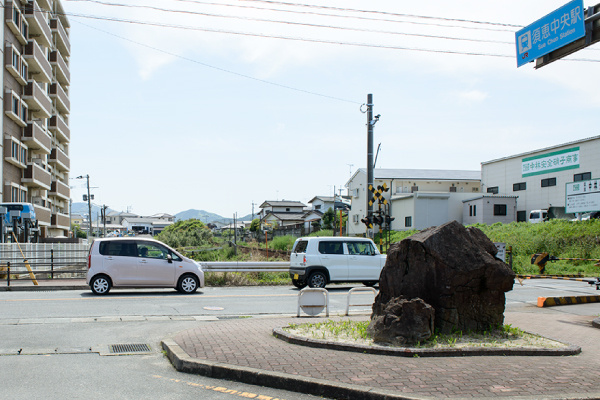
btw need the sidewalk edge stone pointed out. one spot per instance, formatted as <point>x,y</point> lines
<point>277,380</point>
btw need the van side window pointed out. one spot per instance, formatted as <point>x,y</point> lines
<point>361,248</point>
<point>151,250</point>
<point>331,247</point>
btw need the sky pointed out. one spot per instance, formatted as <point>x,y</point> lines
<point>217,105</point>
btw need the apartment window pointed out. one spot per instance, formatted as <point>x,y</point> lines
<point>452,189</point>
<point>475,189</point>
<point>586,176</point>
<point>499,209</point>
<point>474,210</point>
<point>15,60</point>
<point>23,155</point>
<point>521,216</point>
<point>519,186</point>
<point>493,190</point>
<point>15,194</point>
<point>15,105</point>
<point>407,221</point>
<point>470,211</point>
<point>24,71</point>
<point>23,114</point>
<point>414,189</point>
<point>548,182</point>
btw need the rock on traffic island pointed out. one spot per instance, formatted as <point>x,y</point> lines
<point>444,278</point>
<point>451,268</point>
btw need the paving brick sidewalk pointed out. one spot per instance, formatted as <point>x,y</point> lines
<point>249,343</point>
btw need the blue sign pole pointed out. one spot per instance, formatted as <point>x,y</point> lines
<point>555,30</point>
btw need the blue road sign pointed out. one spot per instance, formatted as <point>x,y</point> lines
<point>551,32</point>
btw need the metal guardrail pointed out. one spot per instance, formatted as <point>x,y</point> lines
<point>245,266</point>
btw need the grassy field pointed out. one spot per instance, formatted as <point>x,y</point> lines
<point>559,238</point>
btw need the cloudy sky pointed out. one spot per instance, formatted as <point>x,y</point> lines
<point>218,104</point>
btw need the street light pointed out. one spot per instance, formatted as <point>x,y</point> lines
<point>89,205</point>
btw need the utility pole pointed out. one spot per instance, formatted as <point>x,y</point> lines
<point>104,207</point>
<point>370,165</point>
<point>89,200</point>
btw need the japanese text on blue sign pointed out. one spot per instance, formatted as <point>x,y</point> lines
<point>551,32</point>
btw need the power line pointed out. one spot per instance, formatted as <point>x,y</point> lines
<point>272,36</point>
<point>221,69</point>
<point>360,17</point>
<point>297,23</point>
<point>385,13</point>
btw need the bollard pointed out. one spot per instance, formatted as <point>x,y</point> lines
<point>51,263</point>
<point>8,274</point>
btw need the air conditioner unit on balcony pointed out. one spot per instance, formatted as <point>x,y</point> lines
<point>38,201</point>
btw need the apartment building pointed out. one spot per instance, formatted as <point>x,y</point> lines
<point>35,124</point>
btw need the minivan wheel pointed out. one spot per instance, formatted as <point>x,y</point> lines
<point>100,285</point>
<point>317,280</point>
<point>369,283</point>
<point>298,284</point>
<point>188,284</point>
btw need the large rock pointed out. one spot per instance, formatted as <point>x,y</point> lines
<point>453,269</point>
<point>403,322</point>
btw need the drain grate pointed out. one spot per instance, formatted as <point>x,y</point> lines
<point>129,348</point>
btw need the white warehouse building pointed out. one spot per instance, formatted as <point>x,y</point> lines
<point>539,177</point>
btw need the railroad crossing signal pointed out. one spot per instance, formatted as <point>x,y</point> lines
<point>378,194</point>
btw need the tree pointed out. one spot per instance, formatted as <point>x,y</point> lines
<point>328,218</point>
<point>255,225</point>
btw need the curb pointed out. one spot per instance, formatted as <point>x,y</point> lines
<point>566,300</point>
<point>41,287</point>
<point>570,350</point>
<point>276,380</point>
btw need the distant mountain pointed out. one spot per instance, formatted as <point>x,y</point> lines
<point>82,209</point>
<point>208,217</point>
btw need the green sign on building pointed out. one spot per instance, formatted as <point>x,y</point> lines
<point>551,162</point>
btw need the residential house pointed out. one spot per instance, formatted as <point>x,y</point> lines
<point>284,212</point>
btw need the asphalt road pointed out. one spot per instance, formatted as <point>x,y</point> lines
<point>64,336</point>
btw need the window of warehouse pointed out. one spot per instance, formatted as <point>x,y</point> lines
<point>548,182</point>
<point>586,176</point>
<point>499,209</point>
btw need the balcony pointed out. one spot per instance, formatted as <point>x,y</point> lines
<point>45,4</point>
<point>62,39</point>
<point>59,159</point>
<point>63,73</point>
<point>60,190</point>
<point>15,108</point>
<point>37,63</point>
<point>37,100</point>
<point>57,125</point>
<point>15,64</point>
<point>16,23</point>
<point>59,221</point>
<point>36,138</point>
<point>36,176</point>
<point>38,24</point>
<point>42,214</point>
<point>62,99</point>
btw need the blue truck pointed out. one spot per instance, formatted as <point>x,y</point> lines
<point>20,219</point>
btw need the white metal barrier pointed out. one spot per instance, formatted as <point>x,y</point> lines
<point>359,289</point>
<point>245,266</point>
<point>311,301</point>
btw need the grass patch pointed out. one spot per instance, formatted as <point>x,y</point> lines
<point>246,278</point>
<point>349,331</point>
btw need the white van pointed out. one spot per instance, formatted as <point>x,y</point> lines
<point>317,261</point>
<point>536,216</point>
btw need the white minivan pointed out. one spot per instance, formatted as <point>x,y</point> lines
<point>131,262</point>
<point>536,216</point>
<point>317,261</point>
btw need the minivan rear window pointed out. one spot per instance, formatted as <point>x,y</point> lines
<point>331,247</point>
<point>300,246</point>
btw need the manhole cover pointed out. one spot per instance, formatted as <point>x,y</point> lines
<point>129,348</point>
<point>214,308</point>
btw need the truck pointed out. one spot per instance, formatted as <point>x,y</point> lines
<point>20,219</point>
